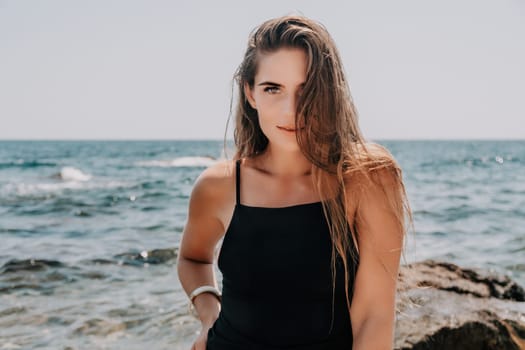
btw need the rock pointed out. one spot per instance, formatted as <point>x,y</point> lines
<point>155,256</point>
<point>443,306</point>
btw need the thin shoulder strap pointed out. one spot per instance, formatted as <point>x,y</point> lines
<point>238,181</point>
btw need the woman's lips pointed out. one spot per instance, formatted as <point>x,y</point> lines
<point>287,128</point>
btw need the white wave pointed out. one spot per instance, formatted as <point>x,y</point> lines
<point>72,174</point>
<point>179,162</point>
<point>27,189</point>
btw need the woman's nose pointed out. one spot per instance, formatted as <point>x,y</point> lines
<point>290,106</point>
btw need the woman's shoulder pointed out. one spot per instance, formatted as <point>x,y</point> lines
<point>218,171</point>
<point>216,181</point>
<point>216,176</point>
<point>372,164</point>
<point>375,184</point>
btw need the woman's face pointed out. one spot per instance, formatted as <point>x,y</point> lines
<point>277,86</point>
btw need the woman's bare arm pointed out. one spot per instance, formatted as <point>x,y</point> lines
<point>211,200</point>
<point>380,241</point>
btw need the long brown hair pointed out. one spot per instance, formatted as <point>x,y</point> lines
<point>331,139</point>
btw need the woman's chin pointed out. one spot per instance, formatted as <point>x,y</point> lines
<point>286,145</point>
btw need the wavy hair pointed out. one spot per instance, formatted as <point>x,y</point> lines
<point>342,161</point>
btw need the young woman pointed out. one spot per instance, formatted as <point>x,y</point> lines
<point>312,217</point>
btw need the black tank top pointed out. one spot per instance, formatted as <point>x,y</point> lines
<point>277,282</point>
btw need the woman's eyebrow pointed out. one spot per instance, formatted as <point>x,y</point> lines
<point>270,83</point>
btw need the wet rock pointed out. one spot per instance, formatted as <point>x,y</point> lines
<point>15,265</point>
<point>443,306</point>
<point>155,256</point>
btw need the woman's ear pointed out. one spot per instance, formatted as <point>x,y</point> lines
<point>249,95</point>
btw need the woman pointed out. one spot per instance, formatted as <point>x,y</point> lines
<point>312,217</point>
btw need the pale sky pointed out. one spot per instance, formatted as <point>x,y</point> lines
<point>128,69</point>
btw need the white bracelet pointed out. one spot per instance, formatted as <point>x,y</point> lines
<point>204,289</point>
<point>200,290</point>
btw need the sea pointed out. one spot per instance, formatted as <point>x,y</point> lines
<point>89,231</point>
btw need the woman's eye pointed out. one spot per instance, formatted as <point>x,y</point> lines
<point>271,89</point>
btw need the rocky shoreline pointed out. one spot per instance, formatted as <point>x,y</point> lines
<point>443,306</point>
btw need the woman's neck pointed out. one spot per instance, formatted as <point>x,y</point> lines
<point>283,163</point>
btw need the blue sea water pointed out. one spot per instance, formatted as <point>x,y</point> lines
<point>89,231</point>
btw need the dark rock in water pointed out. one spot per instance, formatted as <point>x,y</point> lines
<point>442,306</point>
<point>155,256</point>
<point>100,261</point>
<point>29,265</point>
<point>39,275</point>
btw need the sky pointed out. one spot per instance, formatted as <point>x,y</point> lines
<point>127,69</point>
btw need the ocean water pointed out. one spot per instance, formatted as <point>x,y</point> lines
<point>89,231</point>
